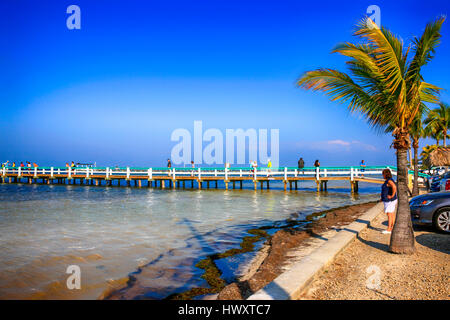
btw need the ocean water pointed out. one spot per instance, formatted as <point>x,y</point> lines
<point>109,232</point>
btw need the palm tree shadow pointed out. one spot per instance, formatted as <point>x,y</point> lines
<point>377,245</point>
<point>375,228</point>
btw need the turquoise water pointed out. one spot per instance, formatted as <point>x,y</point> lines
<point>109,232</point>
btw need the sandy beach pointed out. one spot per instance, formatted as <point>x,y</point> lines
<point>421,276</point>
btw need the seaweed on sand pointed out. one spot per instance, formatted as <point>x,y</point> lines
<point>212,274</point>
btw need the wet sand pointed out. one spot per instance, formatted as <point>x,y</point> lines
<point>287,246</point>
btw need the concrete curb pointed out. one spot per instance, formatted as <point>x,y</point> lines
<point>290,284</point>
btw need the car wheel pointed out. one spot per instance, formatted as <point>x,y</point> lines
<point>441,220</point>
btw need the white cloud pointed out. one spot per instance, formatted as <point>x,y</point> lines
<point>339,142</point>
<point>337,145</point>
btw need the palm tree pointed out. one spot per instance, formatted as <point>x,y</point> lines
<point>425,154</point>
<point>432,132</point>
<point>387,88</point>
<point>437,122</point>
<point>417,132</point>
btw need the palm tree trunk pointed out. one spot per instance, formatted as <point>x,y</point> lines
<point>415,191</point>
<point>402,237</point>
<point>410,158</point>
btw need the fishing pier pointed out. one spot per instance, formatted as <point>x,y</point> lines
<point>199,178</point>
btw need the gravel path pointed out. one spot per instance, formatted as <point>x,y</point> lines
<point>366,264</point>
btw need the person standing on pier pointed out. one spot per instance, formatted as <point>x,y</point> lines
<point>363,166</point>
<point>301,163</point>
<point>169,165</point>
<point>193,167</point>
<point>317,164</point>
<point>389,198</point>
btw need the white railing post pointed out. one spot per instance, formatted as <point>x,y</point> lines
<point>296,173</point>
<point>254,173</point>
<point>128,173</point>
<point>87,173</point>
<point>173,173</point>
<point>199,173</point>
<point>324,172</point>
<point>107,173</point>
<point>4,171</point>
<point>59,170</point>
<point>351,173</point>
<point>150,173</point>
<point>215,172</point>
<point>317,173</point>
<point>226,174</point>
<point>285,173</point>
<point>19,172</point>
<point>51,172</point>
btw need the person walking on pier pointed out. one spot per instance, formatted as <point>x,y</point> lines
<point>389,198</point>
<point>269,167</point>
<point>193,167</point>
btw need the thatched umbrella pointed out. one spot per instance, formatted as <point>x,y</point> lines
<point>440,157</point>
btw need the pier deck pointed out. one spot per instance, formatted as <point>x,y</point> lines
<point>203,177</point>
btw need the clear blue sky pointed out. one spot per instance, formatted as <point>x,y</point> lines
<point>114,91</point>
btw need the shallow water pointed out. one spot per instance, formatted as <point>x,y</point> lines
<point>109,232</point>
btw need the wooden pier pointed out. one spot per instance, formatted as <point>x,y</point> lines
<point>195,177</point>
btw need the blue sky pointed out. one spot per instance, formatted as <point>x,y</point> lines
<point>114,91</point>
